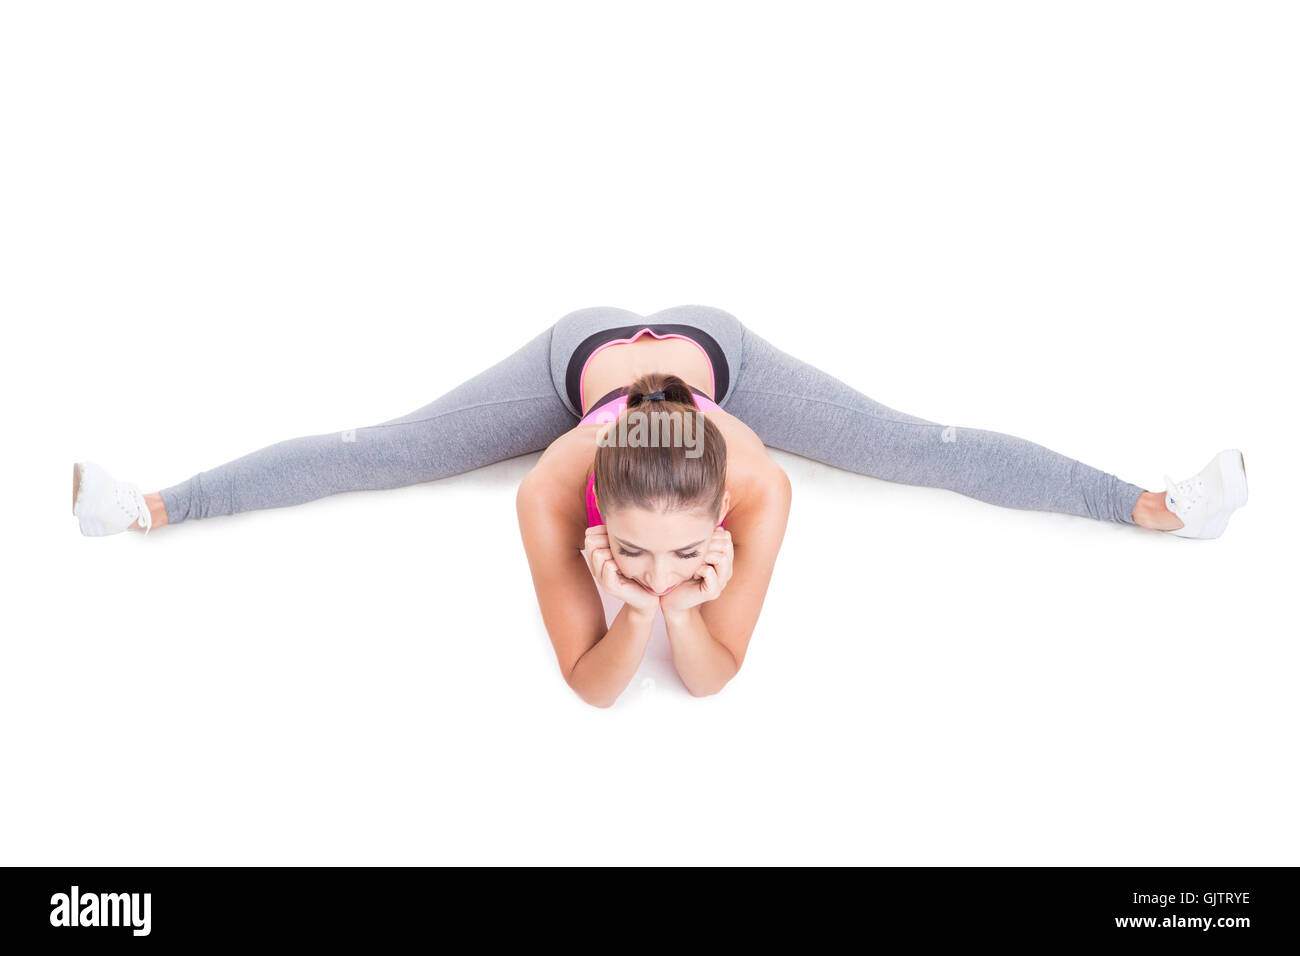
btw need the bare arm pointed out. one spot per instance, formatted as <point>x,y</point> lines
<point>704,665</point>
<point>596,661</point>
<point>709,641</point>
<point>604,672</point>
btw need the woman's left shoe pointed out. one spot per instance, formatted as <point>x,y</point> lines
<point>1205,502</point>
<point>103,505</point>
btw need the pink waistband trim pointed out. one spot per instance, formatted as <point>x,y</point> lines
<point>614,407</point>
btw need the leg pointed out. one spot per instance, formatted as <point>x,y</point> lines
<point>795,407</point>
<point>508,410</point>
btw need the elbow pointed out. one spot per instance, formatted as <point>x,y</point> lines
<point>604,703</point>
<point>709,691</point>
<point>589,695</point>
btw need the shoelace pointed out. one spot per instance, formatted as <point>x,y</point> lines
<point>146,518</point>
<point>1184,495</point>
<point>136,497</point>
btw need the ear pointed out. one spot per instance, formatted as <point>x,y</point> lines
<point>726,505</point>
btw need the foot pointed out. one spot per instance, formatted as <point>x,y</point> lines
<point>103,505</point>
<point>1206,501</point>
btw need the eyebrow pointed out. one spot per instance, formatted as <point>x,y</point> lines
<point>638,547</point>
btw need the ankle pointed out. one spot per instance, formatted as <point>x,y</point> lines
<point>157,512</point>
<point>1151,512</point>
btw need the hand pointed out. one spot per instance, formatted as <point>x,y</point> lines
<point>709,581</point>
<point>600,559</point>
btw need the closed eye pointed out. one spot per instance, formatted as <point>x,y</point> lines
<point>637,554</point>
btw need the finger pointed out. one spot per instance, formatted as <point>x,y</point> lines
<point>613,581</point>
<point>609,575</point>
<point>624,588</point>
<point>710,584</point>
<point>607,560</point>
<point>599,558</point>
<point>616,577</point>
<point>723,572</point>
<point>714,557</point>
<point>724,542</point>
<point>595,545</point>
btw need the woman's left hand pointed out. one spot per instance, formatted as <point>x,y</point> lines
<point>708,581</point>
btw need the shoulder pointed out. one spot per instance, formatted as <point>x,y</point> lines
<point>761,489</point>
<point>744,445</point>
<point>557,483</point>
<point>553,526</point>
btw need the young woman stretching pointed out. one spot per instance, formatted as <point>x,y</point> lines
<point>687,522</point>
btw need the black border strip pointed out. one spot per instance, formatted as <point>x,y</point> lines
<point>1248,909</point>
<point>721,370</point>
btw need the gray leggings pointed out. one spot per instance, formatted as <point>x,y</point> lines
<point>520,405</point>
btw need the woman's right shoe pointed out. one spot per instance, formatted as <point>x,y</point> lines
<point>1206,501</point>
<point>103,505</point>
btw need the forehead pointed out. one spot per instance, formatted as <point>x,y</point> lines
<point>656,530</point>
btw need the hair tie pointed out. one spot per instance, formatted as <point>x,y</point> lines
<point>655,397</point>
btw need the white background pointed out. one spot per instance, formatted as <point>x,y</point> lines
<point>226,225</point>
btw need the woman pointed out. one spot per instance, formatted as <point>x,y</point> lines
<point>655,480</point>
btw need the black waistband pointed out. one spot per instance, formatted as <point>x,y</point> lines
<point>624,389</point>
<point>573,375</point>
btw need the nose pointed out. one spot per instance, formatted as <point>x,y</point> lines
<point>655,578</point>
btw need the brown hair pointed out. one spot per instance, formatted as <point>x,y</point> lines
<point>662,477</point>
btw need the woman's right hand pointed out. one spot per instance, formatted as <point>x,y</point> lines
<point>600,559</point>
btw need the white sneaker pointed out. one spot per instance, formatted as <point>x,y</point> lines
<point>103,505</point>
<point>1206,501</point>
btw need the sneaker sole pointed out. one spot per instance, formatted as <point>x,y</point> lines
<point>1232,472</point>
